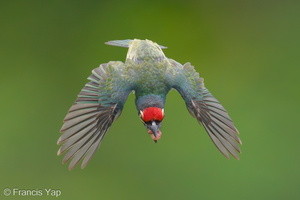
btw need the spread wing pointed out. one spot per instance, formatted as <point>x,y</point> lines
<point>99,103</point>
<point>205,108</point>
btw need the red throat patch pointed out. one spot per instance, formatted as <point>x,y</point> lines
<point>152,114</point>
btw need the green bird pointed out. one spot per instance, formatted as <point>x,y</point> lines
<point>151,75</point>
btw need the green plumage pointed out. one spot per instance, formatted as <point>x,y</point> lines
<point>151,75</point>
<point>147,78</point>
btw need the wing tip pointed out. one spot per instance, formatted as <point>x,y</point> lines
<point>59,141</point>
<point>71,167</point>
<point>228,156</point>
<point>59,152</point>
<point>119,43</point>
<point>83,165</point>
<point>240,141</point>
<point>237,158</point>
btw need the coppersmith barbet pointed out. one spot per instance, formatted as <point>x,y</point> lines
<point>151,75</point>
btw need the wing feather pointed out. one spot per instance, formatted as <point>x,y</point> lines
<point>98,105</point>
<point>206,109</point>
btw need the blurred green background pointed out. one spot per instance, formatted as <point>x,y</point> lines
<point>247,51</point>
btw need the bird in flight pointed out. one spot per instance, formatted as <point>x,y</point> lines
<point>150,75</point>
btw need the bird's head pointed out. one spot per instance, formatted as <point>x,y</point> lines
<point>152,118</point>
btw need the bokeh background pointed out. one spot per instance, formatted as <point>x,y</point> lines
<point>247,51</point>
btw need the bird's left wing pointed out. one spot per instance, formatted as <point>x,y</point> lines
<point>205,108</point>
<point>99,103</point>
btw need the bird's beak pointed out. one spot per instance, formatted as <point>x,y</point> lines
<point>153,127</point>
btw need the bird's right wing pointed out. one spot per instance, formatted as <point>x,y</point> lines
<point>99,103</point>
<point>205,108</point>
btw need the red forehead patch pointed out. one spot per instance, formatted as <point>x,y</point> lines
<point>152,114</point>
